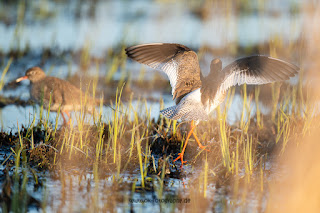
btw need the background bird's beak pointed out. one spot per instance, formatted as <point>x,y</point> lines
<point>22,78</point>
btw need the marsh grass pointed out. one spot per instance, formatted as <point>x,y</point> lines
<point>16,42</point>
<point>133,144</point>
<point>4,72</point>
<point>258,113</point>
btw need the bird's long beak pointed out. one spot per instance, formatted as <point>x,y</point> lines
<point>22,78</point>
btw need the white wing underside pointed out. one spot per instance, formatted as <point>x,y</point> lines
<point>239,78</point>
<point>191,108</point>
<point>171,69</point>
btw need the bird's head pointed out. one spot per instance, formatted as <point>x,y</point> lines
<point>34,74</point>
<point>216,65</point>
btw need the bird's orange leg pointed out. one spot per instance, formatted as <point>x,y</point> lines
<point>185,146</point>
<point>199,144</point>
<point>195,137</point>
<point>68,114</point>
<point>193,126</point>
<point>64,118</point>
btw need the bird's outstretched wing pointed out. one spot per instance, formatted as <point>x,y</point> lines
<point>256,70</point>
<point>179,62</point>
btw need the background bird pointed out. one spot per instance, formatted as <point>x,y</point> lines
<point>63,94</point>
<point>195,95</point>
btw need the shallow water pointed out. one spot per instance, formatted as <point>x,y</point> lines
<point>149,21</point>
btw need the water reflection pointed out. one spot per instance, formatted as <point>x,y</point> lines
<point>149,21</point>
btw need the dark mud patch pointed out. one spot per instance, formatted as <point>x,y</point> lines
<point>5,101</point>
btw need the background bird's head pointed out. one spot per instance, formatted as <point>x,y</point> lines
<point>216,65</point>
<point>34,74</point>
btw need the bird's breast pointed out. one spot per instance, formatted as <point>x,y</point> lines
<point>214,101</point>
<point>36,90</point>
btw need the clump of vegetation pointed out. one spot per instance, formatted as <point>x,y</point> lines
<point>145,147</point>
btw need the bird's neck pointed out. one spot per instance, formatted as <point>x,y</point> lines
<point>37,80</point>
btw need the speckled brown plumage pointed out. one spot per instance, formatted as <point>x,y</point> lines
<point>63,94</point>
<point>168,57</point>
<point>181,65</point>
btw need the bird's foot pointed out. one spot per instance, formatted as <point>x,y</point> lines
<point>204,147</point>
<point>199,144</point>
<point>181,158</point>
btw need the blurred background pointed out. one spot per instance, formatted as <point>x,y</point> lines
<point>71,25</point>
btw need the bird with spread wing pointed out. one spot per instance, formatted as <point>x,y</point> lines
<point>195,95</point>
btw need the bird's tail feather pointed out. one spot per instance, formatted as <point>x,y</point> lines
<point>170,112</point>
<point>185,113</point>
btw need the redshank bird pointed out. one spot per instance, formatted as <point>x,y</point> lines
<point>63,94</point>
<point>195,95</point>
